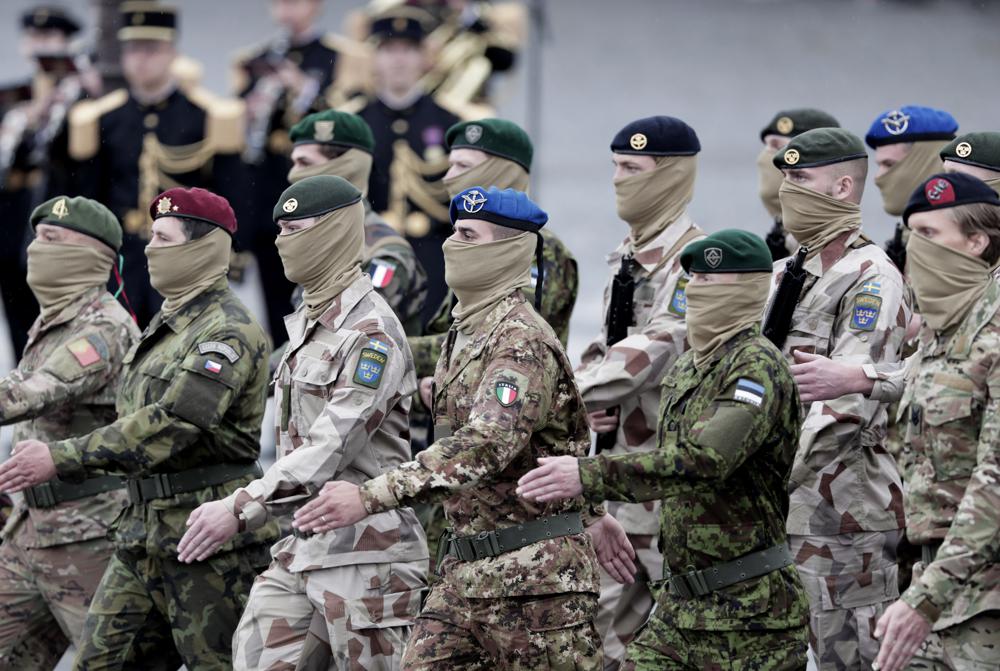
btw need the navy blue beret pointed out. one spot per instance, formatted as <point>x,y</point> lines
<point>949,189</point>
<point>911,123</point>
<point>509,208</point>
<point>657,136</point>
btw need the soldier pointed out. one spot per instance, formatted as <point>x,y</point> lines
<point>131,144</point>
<point>643,335</point>
<point>343,387</point>
<point>785,125</point>
<point>341,144</point>
<point>846,514</point>
<point>410,158</point>
<point>976,154</point>
<point>907,142</point>
<point>189,409</point>
<point>54,551</point>
<point>726,441</point>
<point>519,584</point>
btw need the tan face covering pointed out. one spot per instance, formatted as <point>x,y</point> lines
<point>181,272</point>
<point>769,179</point>
<point>651,201</point>
<point>326,257</point>
<point>717,312</point>
<point>58,273</point>
<point>899,181</point>
<point>494,171</point>
<point>353,165</point>
<point>815,218</point>
<point>947,282</point>
<point>993,183</point>
<point>482,274</point>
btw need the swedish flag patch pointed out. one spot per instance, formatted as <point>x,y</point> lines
<point>864,313</point>
<point>678,301</point>
<point>371,365</point>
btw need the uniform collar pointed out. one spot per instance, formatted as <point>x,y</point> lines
<point>482,334</point>
<point>733,343</point>
<point>67,314</point>
<point>298,325</point>
<point>650,256</point>
<point>179,321</point>
<point>960,344</point>
<point>833,251</point>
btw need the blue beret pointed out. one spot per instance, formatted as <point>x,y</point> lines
<point>911,123</point>
<point>657,136</point>
<point>509,208</point>
<point>949,189</point>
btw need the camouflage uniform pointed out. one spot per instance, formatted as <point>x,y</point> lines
<point>951,409</point>
<point>721,469</point>
<point>502,401</point>
<point>52,559</point>
<point>846,511</point>
<point>395,271</point>
<point>626,376</point>
<point>192,396</point>
<point>351,593</point>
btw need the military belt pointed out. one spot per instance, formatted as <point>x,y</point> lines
<point>497,542</point>
<point>928,552</point>
<point>52,493</point>
<point>165,485</point>
<point>699,583</point>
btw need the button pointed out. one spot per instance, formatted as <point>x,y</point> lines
<point>150,121</point>
<point>400,126</point>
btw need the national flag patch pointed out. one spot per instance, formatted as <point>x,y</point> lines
<point>84,352</point>
<point>506,393</point>
<point>678,301</point>
<point>873,288</point>
<point>864,314</point>
<point>371,365</point>
<point>213,367</point>
<point>378,346</point>
<point>748,391</point>
<point>381,273</point>
<point>534,276</point>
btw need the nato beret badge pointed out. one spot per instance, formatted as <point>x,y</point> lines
<point>657,136</point>
<point>820,146</point>
<point>911,123</point>
<point>978,149</point>
<point>195,203</point>
<point>727,251</point>
<point>315,196</point>
<point>498,137</point>
<point>506,207</point>
<point>82,215</point>
<point>335,128</point>
<point>947,190</point>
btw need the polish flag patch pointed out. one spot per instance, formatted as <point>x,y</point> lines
<point>506,393</point>
<point>382,273</point>
<point>213,367</point>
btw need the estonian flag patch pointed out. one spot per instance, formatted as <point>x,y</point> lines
<point>748,391</point>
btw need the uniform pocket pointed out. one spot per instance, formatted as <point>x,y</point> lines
<point>393,599</point>
<point>561,632</point>
<point>309,390</point>
<point>810,332</point>
<point>951,435</point>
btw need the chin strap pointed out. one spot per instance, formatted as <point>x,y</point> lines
<point>121,286</point>
<point>539,263</point>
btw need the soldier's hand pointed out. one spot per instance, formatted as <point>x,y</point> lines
<point>210,525</point>
<point>613,548</point>
<point>901,630</point>
<point>603,421</point>
<point>821,379</point>
<point>337,505</point>
<point>30,464</point>
<point>426,384</point>
<point>555,478</point>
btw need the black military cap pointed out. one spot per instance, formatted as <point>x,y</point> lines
<point>946,190</point>
<point>406,23</point>
<point>790,123</point>
<point>46,17</point>
<point>144,20</point>
<point>820,146</point>
<point>657,136</point>
<point>979,149</point>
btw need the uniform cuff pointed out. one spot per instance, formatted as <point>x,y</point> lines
<point>917,599</point>
<point>251,513</point>
<point>592,478</point>
<point>68,461</point>
<point>377,496</point>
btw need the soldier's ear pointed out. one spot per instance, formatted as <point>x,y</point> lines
<point>977,243</point>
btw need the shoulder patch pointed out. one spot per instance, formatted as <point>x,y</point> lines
<point>381,272</point>
<point>371,366</point>
<point>749,392</point>
<point>678,301</point>
<point>220,348</point>
<point>865,311</point>
<point>84,352</point>
<point>506,393</point>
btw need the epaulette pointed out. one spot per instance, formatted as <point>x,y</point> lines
<point>187,72</point>
<point>84,123</point>
<point>225,123</point>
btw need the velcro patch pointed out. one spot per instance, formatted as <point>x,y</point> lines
<point>221,348</point>
<point>84,352</point>
<point>864,314</point>
<point>381,273</point>
<point>371,365</point>
<point>678,301</point>
<point>749,392</point>
<point>378,346</point>
<point>506,393</point>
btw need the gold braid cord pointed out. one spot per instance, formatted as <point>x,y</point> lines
<point>408,182</point>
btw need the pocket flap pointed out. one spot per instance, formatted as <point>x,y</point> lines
<point>316,372</point>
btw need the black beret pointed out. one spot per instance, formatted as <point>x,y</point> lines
<point>790,123</point>
<point>657,136</point>
<point>978,149</point>
<point>45,17</point>
<point>820,146</point>
<point>946,190</point>
<point>728,251</point>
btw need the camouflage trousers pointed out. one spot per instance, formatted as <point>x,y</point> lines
<point>44,595</point>
<point>973,645</point>
<point>157,613</point>
<point>850,579</point>
<point>516,634</point>
<point>347,617</point>
<point>623,609</point>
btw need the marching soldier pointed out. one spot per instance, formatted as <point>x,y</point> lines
<point>655,163</point>
<point>976,154</point>
<point>846,516</point>
<point>131,144</point>
<point>343,389</point>
<point>189,410</point>
<point>54,549</point>
<point>725,446</point>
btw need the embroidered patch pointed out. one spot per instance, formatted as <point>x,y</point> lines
<point>534,275</point>
<point>506,393</point>
<point>381,273</point>
<point>84,352</point>
<point>873,288</point>
<point>221,348</point>
<point>678,302</point>
<point>378,346</point>
<point>213,367</point>
<point>864,314</point>
<point>370,367</point>
<point>749,392</point>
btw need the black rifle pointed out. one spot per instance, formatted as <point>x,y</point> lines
<point>895,249</point>
<point>775,241</point>
<point>621,315</point>
<point>779,317</point>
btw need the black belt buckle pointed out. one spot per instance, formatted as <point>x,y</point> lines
<point>161,485</point>
<point>41,496</point>
<point>485,545</point>
<point>134,491</point>
<point>689,585</point>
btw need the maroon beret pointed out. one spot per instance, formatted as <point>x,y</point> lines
<point>197,204</point>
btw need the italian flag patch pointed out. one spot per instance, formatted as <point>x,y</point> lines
<point>506,393</point>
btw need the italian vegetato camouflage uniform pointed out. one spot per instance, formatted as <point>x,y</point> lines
<point>627,376</point>
<point>727,437</point>
<point>52,558</point>
<point>846,511</point>
<point>396,274</point>
<point>951,410</point>
<point>190,404</point>
<point>342,395</point>
<point>502,401</point>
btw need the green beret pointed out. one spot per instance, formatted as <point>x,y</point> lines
<point>331,127</point>
<point>979,149</point>
<point>728,251</point>
<point>820,146</point>
<point>494,136</point>
<point>315,196</point>
<point>795,122</point>
<point>82,215</point>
